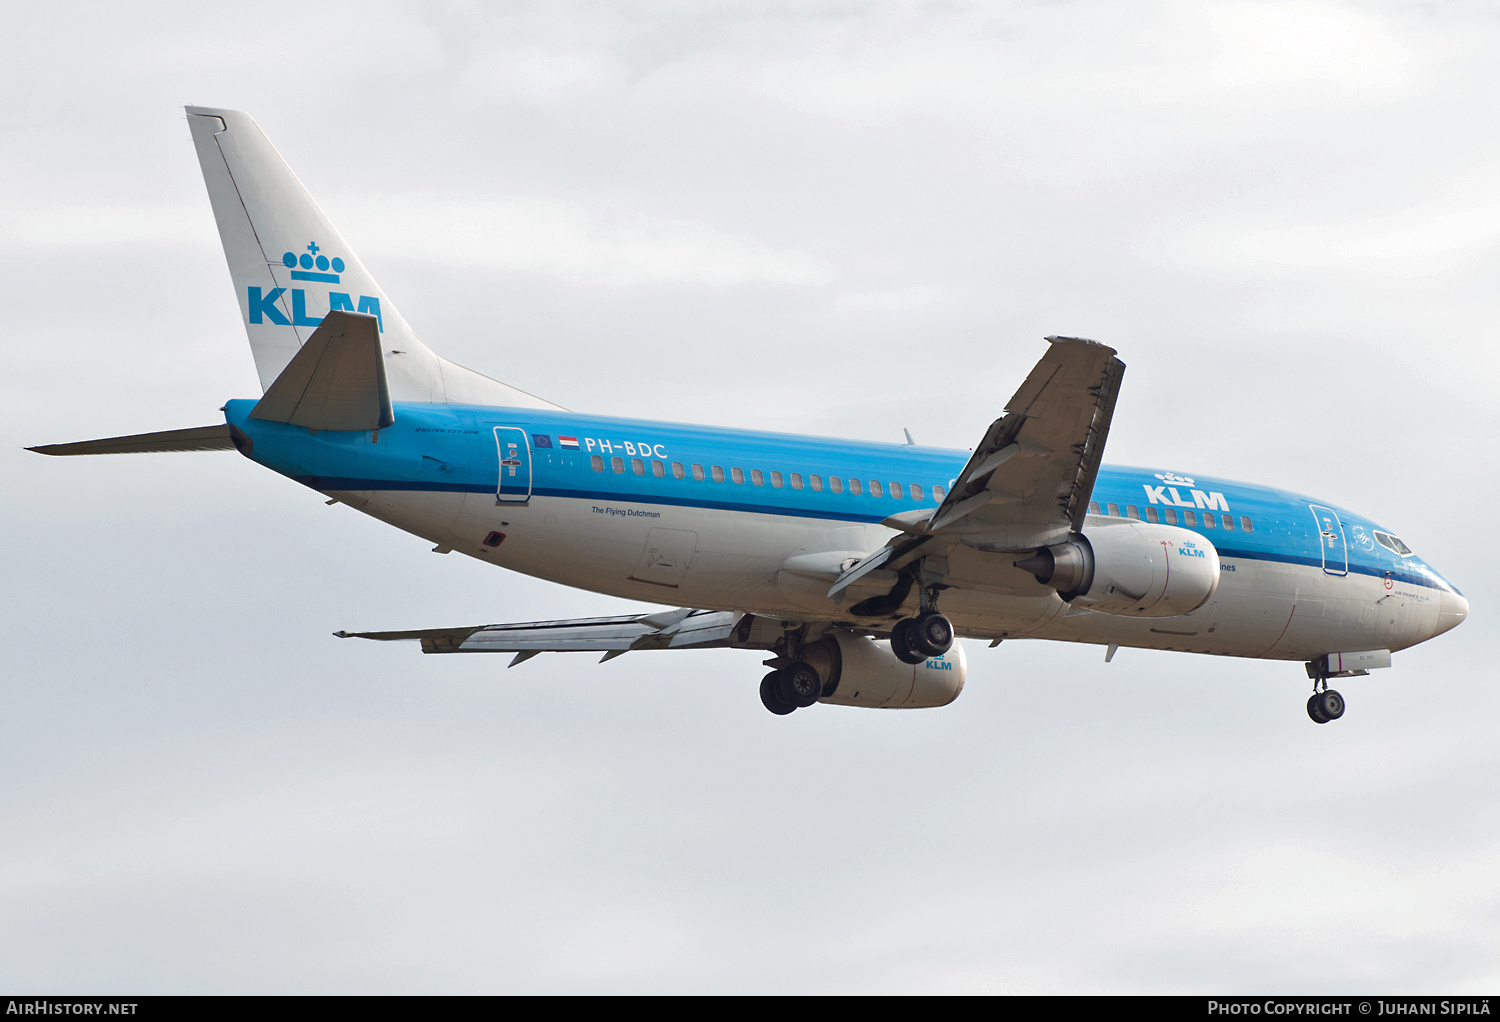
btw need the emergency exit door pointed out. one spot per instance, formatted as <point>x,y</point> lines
<point>514,452</point>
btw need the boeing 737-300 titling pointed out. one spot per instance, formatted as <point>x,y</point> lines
<point>850,566</point>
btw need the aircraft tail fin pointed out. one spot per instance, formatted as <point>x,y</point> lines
<point>290,268</point>
<point>335,381</point>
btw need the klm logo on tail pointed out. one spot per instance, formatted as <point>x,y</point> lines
<point>312,266</point>
<point>307,261</point>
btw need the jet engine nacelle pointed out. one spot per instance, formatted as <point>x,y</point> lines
<point>860,671</point>
<point>1124,566</point>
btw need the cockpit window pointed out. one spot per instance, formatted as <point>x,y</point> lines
<point>1393,544</point>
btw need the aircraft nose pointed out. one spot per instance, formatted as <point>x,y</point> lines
<point>1452,609</point>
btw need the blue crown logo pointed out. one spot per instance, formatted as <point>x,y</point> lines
<point>313,257</point>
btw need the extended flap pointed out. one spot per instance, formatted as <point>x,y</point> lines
<point>335,381</point>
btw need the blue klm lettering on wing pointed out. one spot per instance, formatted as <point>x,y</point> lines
<point>314,266</point>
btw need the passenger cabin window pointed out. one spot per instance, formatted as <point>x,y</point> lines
<point>658,469</point>
<point>677,470</point>
<point>1228,521</point>
<point>816,482</point>
<point>698,472</point>
<point>1094,507</point>
<point>917,494</point>
<point>638,466</point>
<point>875,488</point>
<point>618,464</point>
<point>1151,514</point>
<point>896,490</point>
<point>737,475</point>
<point>1208,519</point>
<point>718,473</point>
<point>1171,514</point>
<point>598,462</point>
<point>776,480</point>
<point>937,493</point>
<point>1131,512</point>
<point>1245,524</point>
<point>835,484</point>
<point>757,477</point>
<point>1188,518</point>
<point>1114,509</point>
<point>854,487</point>
<point>796,480</point>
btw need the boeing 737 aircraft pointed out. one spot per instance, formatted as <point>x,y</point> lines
<point>850,566</point>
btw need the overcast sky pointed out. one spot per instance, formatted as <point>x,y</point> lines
<point>842,218</point>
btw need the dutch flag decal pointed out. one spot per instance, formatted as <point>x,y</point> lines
<point>568,441</point>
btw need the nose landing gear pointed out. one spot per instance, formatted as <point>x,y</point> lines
<point>1325,706</point>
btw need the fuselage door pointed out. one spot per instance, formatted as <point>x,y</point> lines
<point>515,466</point>
<point>1331,535</point>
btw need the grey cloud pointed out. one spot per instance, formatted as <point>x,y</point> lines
<point>1295,256</point>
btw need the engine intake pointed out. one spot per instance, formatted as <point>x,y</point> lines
<point>1136,569</point>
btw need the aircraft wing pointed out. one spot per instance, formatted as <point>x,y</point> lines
<point>1035,468</point>
<point>1029,480</point>
<point>682,628</point>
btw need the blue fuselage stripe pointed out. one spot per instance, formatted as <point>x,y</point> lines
<point>452,449</point>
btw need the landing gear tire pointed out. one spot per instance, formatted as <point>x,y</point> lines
<point>1333,704</point>
<point>903,642</point>
<point>770,694</point>
<point>799,685</point>
<point>1325,706</point>
<point>932,633</point>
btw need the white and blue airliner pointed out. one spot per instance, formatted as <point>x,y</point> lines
<point>851,566</point>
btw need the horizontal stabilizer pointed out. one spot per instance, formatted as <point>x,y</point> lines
<point>199,438</point>
<point>335,381</point>
<point>671,629</point>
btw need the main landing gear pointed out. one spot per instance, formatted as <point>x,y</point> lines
<point>790,688</point>
<point>914,639</point>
